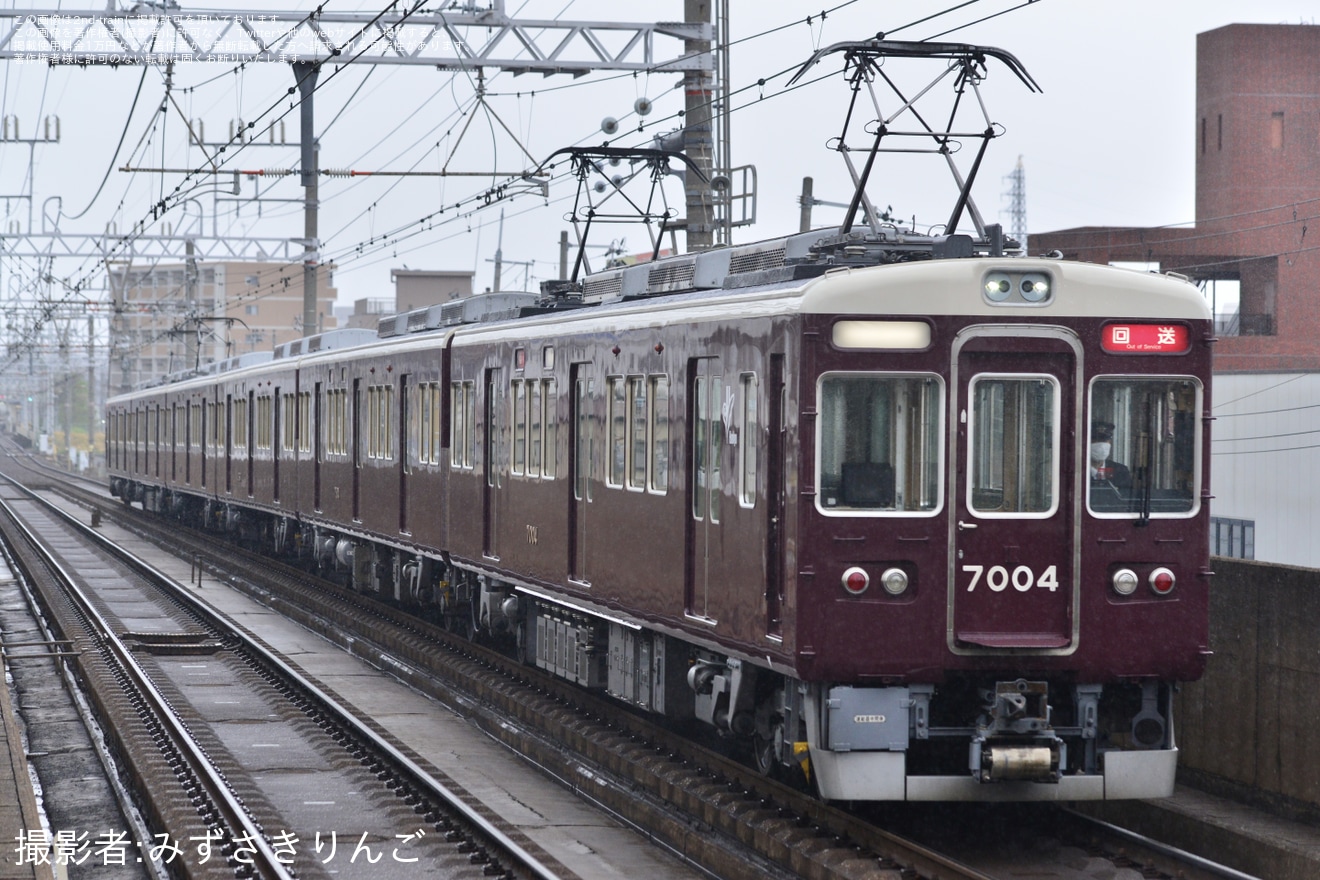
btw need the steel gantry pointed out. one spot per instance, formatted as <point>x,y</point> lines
<point>457,39</point>
<point>153,34</point>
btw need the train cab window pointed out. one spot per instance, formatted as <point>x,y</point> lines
<point>519,398</point>
<point>1144,447</point>
<point>1013,442</point>
<point>880,442</point>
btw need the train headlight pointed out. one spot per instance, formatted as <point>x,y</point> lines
<point>856,580</point>
<point>1125,581</point>
<point>1162,581</point>
<point>895,581</point>
<point>1035,287</point>
<point>998,286</point>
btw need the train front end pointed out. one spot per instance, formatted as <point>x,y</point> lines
<point>1002,564</point>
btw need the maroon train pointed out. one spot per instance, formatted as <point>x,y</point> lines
<point>933,529</point>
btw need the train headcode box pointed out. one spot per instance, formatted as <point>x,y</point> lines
<point>1145,339</point>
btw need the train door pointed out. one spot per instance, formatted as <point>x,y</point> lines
<point>174,442</point>
<point>1013,511</point>
<point>229,444</point>
<point>251,439</point>
<point>405,453</point>
<point>582,446</point>
<point>276,440</point>
<point>777,399</point>
<point>318,447</point>
<point>355,423</point>
<point>490,495</point>
<point>706,435</point>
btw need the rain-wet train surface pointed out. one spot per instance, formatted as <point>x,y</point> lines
<point>934,529</point>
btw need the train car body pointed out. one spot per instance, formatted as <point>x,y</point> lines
<point>934,530</point>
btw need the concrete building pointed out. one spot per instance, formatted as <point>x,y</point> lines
<point>1255,251</point>
<point>167,318</point>
<point>413,289</point>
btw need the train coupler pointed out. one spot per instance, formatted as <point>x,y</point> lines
<point>1015,740</point>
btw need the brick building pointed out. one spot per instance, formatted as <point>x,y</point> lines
<point>1255,251</point>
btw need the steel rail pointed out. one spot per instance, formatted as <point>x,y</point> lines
<point>1180,856</point>
<point>329,704</point>
<point>264,856</point>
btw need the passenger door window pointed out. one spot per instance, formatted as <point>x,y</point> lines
<point>1014,433</point>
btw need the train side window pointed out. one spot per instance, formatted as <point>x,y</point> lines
<point>305,421</point>
<point>519,398</point>
<point>434,407</point>
<point>880,443</point>
<point>462,426</point>
<point>659,419</point>
<point>1144,446</point>
<point>1013,442</point>
<point>535,425</point>
<point>387,422</point>
<point>239,427</point>
<point>747,440</point>
<point>289,422</point>
<point>618,428</point>
<point>420,423</point>
<point>637,433</point>
<point>550,456</point>
<point>584,450</point>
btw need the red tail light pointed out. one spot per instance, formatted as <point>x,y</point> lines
<point>1162,581</point>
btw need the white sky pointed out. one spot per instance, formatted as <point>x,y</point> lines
<point>1110,140</point>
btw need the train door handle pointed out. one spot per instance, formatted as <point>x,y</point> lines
<point>965,525</point>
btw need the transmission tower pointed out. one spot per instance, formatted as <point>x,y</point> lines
<point>1017,204</point>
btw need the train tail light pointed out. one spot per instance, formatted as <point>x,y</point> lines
<point>1162,581</point>
<point>856,580</point>
<point>1125,581</point>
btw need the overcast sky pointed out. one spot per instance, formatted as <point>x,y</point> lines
<point>1108,141</point>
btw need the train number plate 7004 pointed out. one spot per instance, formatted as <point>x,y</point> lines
<point>1022,578</point>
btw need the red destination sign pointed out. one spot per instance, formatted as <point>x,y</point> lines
<point>1145,339</point>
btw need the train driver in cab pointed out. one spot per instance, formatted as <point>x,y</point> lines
<point>1104,469</point>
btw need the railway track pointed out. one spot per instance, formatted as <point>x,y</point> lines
<point>715,811</point>
<point>204,718</point>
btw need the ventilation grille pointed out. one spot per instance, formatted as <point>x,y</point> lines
<point>675,276</point>
<point>611,286</point>
<point>755,261</point>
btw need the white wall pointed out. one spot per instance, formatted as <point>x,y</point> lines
<point>1265,463</point>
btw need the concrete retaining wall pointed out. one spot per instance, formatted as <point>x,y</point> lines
<point>1253,721</point>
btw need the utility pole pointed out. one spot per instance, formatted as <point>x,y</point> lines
<point>91,389</point>
<point>697,140</point>
<point>192,341</point>
<point>306,72</point>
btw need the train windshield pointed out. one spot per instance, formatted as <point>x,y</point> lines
<point>880,443</point>
<point>1144,450</point>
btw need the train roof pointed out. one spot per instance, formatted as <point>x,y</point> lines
<point>818,272</point>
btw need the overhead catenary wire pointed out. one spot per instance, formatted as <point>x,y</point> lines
<point>500,191</point>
